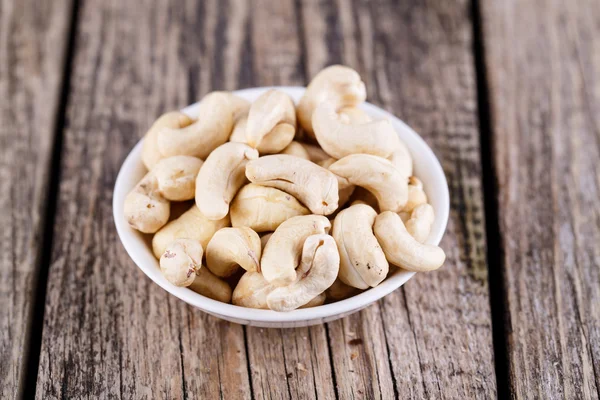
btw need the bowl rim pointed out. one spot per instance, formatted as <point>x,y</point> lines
<point>130,238</point>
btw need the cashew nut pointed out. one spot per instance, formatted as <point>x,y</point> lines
<point>345,188</point>
<point>252,290</point>
<point>264,239</point>
<point>221,177</point>
<point>339,85</point>
<point>233,247</point>
<point>210,286</point>
<point>420,221</point>
<point>354,115</point>
<point>318,300</point>
<point>317,271</point>
<point>282,252</point>
<point>402,159</point>
<point>191,225</point>
<point>313,185</point>
<point>363,262</point>
<point>273,142</point>
<point>271,109</point>
<point>296,149</point>
<point>150,150</point>
<point>315,153</point>
<point>201,137</point>
<point>239,106</point>
<point>145,207</point>
<point>402,249</point>
<point>378,176</point>
<point>340,291</point>
<point>181,261</point>
<point>416,195</point>
<point>340,139</point>
<point>263,208</point>
<point>176,177</point>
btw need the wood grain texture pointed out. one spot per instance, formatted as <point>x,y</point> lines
<point>543,71</point>
<point>432,339</point>
<point>109,331</point>
<point>33,41</point>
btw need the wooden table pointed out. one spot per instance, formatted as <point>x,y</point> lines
<point>506,92</point>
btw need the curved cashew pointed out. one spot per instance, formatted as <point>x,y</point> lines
<point>402,159</point>
<point>176,177</point>
<point>363,262</point>
<point>264,239</point>
<point>318,300</point>
<point>296,149</point>
<point>210,286</point>
<point>282,252</point>
<point>191,225</point>
<point>317,271</point>
<point>233,247</point>
<point>181,261</point>
<point>273,142</point>
<point>315,153</point>
<point>419,224</point>
<point>339,85</point>
<point>238,134</point>
<point>201,137</point>
<point>339,139</point>
<point>340,291</point>
<point>252,290</point>
<point>145,207</point>
<point>271,109</point>
<point>416,195</point>
<point>239,106</point>
<point>354,115</point>
<point>263,208</point>
<point>402,249</point>
<point>221,177</point>
<point>314,186</point>
<point>277,139</point>
<point>345,188</point>
<point>378,176</point>
<point>150,150</point>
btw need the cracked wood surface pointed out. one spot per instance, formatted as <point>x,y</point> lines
<point>108,331</point>
<point>545,98</point>
<point>33,44</point>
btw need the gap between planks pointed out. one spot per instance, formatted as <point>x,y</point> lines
<point>34,340</point>
<point>490,198</point>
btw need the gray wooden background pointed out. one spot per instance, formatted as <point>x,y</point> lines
<point>506,92</point>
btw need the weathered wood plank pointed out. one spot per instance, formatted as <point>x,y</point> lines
<point>416,59</point>
<point>542,70</point>
<point>109,331</point>
<point>33,46</point>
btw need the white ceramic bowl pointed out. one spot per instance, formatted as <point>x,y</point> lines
<point>426,167</point>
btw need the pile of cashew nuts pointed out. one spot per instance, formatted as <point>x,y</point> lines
<point>295,205</point>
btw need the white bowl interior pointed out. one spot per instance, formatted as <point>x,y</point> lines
<point>426,167</point>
